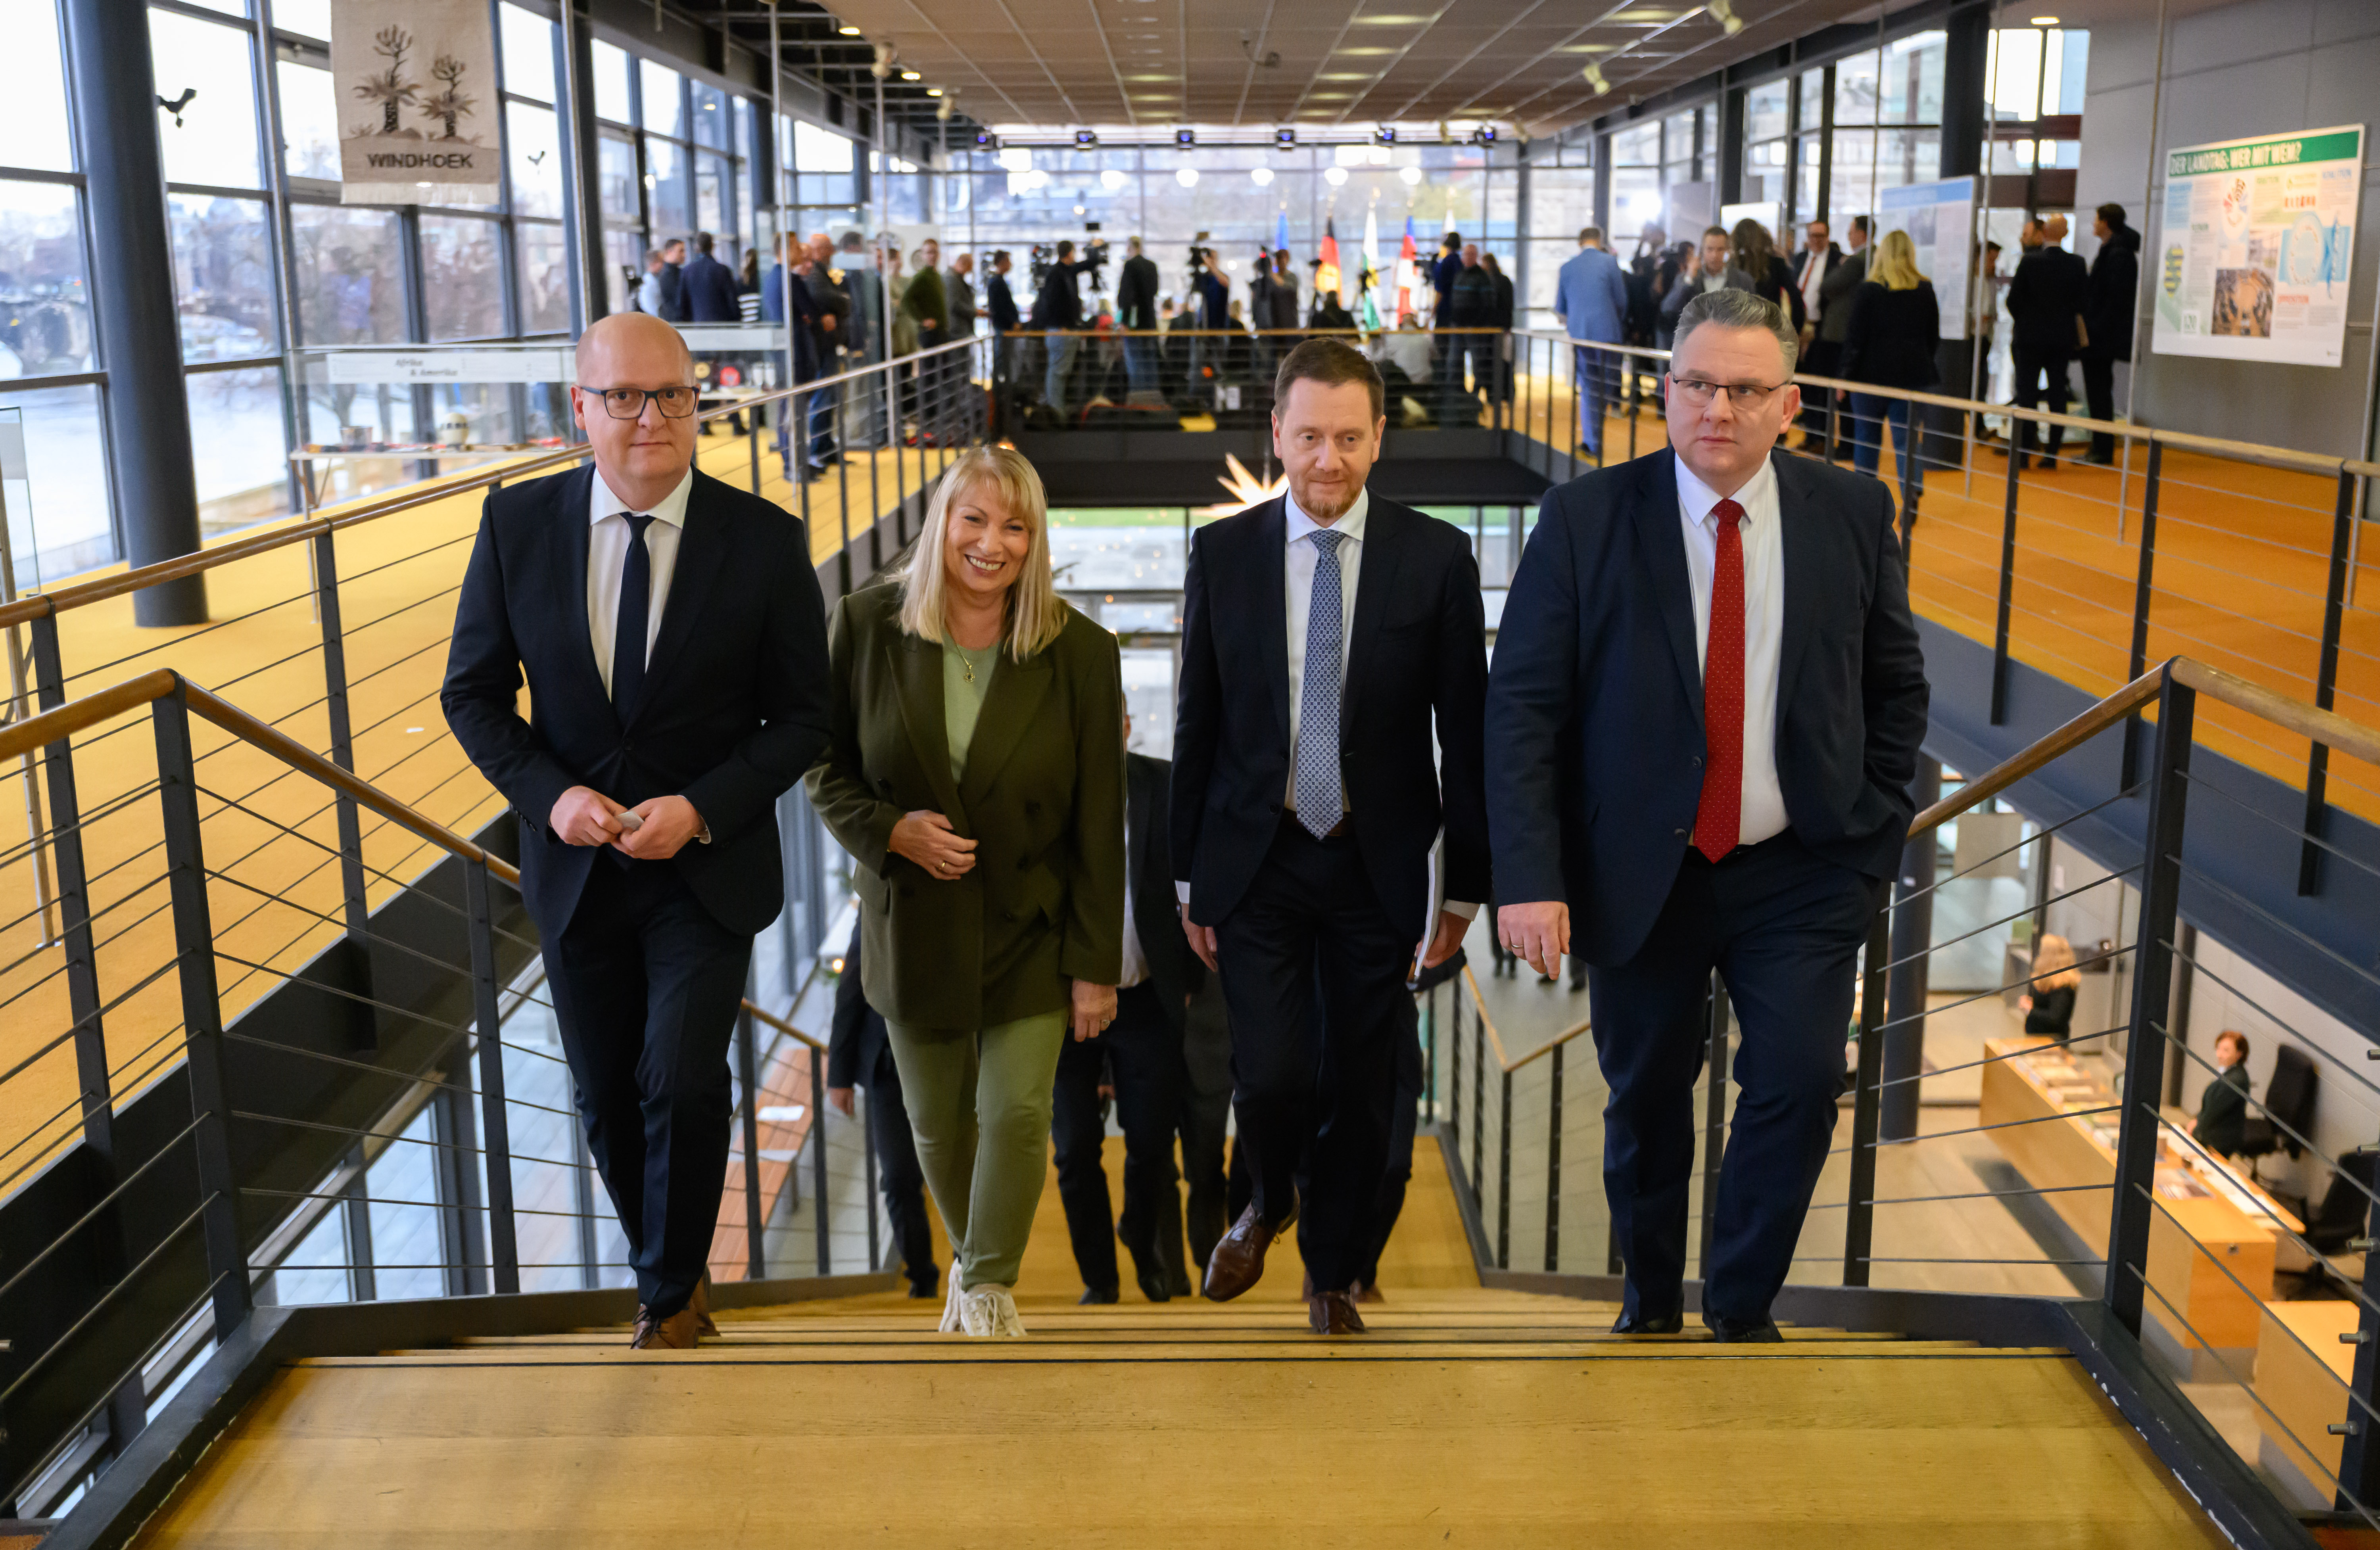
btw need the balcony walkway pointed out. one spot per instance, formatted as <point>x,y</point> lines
<point>1468,1417</point>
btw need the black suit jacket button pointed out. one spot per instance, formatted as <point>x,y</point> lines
<point>1274,806</point>
<point>1679,832</point>
<point>1698,761</point>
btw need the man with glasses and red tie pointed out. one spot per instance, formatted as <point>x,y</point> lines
<point>669,630</point>
<point>1703,718</point>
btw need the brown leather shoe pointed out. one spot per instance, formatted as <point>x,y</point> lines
<point>679,1331</point>
<point>1368,1292</point>
<point>1333,1313</point>
<point>1237,1263</point>
<point>704,1325</point>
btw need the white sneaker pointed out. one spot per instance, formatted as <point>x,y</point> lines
<point>978,1317</point>
<point>1005,1321</point>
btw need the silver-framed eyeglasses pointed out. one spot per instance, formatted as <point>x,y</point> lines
<point>628,402</point>
<point>1744,396</point>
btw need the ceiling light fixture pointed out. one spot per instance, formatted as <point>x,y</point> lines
<point>1187,176</point>
<point>848,30</point>
<point>1261,176</point>
<point>1185,138</point>
<point>1594,74</point>
<point>1284,138</point>
<point>1724,13</point>
<point>1409,177</point>
<point>1385,135</point>
<point>1087,138</point>
<point>933,91</point>
<point>911,74</point>
<point>1335,176</point>
<point>2044,21</point>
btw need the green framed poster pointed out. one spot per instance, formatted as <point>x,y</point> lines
<point>2257,245</point>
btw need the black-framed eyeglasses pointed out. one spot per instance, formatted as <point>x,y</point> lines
<point>628,402</point>
<point>1744,396</point>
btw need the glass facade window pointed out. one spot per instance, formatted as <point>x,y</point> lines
<point>214,142</point>
<point>526,40</point>
<point>238,441</point>
<point>611,84</point>
<point>310,121</point>
<point>535,148</point>
<point>222,278</point>
<point>714,125</point>
<point>462,277</point>
<point>669,195</point>
<point>308,18</point>
<point>34,109</point>
<point>65,498</point>
<point>348,290</point>
<point>544,264</point>
<point>662,90</point>
<point>45,323</point>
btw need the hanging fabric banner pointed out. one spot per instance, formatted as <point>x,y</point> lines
<point>416,81</point>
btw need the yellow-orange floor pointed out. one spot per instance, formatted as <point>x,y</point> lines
<point>1465,1417</point>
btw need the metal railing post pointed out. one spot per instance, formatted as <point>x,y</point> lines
<point>1859,1218</point>
<point>1553,1165</point>
<point>1714,1116</point>
<point>817,1171</point>
<point>2141,593</point>
<point>2326,686</point>
<point>186,874</point>
<point>2008,583</point>
<point>1504,1178</point>
<point>74,903</point>
<point>2145,1043</point>
<point>1478,1096</point>
<point>2359,1464</point>
<point>747,1073</point>
<point>1429,1053</point>
<point>752,440</point>
<point>875,1208</point>
<point>1454,1072</point>
<point>504,1242</point>
<point>343,746</point>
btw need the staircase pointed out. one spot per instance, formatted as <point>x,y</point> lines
<point>1467,1416</point>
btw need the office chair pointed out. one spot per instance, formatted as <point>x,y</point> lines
<point>2289,1102</point>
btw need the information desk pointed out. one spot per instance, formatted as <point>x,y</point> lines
<point>2206,1205</point>
<point>2302,1369</point>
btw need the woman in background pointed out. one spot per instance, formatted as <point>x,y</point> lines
<point>1894,327</point>
<point>2222,1119</point>
<point>975,775</point>
<point>2048,1006</point>
<point>1753,251</point>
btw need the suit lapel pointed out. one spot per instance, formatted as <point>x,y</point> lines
<point>1660,533</point>
<point>1376,574</point>
<point>1009,706</point>
<point>918,676</point>
<point>700,549</point>
<point>1800,566</point>
<point>1271,587</point>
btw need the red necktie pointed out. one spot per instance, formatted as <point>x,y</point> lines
<point>1719,816</point>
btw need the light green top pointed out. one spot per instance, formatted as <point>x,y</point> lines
<point>967,678</point>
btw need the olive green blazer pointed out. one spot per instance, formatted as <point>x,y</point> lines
<point>1042,796</point>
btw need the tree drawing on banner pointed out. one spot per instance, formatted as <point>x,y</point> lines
<point>450,103</point>
<point>389,88</point>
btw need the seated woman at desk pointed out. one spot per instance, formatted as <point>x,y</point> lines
<point>2223,1107</point>
<point>2048,1006</point>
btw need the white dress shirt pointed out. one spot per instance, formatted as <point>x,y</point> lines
<point>1763,813</point>
<point>607,556</point>
<point>1813,274</point>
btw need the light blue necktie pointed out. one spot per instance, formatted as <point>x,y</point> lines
<point>1320,802</point>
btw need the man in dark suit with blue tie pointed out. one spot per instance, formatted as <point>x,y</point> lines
<point>1704,715</point>
<point>671,634</point>
<point>1328,636</point>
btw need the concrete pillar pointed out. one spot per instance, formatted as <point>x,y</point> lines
<point>156,488</point>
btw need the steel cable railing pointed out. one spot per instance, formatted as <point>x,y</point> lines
<point>405,1085</point>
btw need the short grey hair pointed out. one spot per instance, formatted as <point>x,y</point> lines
<point>1728,307</point>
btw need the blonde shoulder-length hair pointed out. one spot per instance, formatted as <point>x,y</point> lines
<point>1036,616</point>
<point>2053,963</point>
<point>1895,265</point>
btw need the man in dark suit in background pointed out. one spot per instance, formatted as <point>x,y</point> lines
<point>673,282</point>
<point>1140,1058</point>
<point>1704,719</point>
<point>2109,297</point>
<point>859,1054</point>
<point>1135,311</point>
<point>1205,1118</point>
<point>2045,298</point>
<point>671,634</point>
<point>1328,636</point>
<point>709,285</point>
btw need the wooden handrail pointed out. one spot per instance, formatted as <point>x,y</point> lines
<point>40,605</point>
<point>1485,1021</point>
<point>773,1020</point>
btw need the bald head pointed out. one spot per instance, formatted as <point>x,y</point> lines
<point>633,348</point>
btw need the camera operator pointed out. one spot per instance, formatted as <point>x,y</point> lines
<point>1060,311</point>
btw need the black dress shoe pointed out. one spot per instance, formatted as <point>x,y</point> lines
<point>1096,1296</point>
<point>1650,1324</point>
<point>1744,1331</point>
<point>924,1289</point>
<point>1154,1286</point>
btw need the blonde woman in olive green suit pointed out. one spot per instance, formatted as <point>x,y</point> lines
<point>976,772</point>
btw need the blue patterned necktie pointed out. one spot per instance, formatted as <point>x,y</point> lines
<point>1320,799</point>
<point>636,615</point>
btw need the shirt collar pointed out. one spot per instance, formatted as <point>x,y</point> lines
<point>671,509</point>
<point>1698,500</point>
<point>1350,526</point>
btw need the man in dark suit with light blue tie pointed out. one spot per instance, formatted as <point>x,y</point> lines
<point>669,630</point>
<point>1328,636</point>
<point>1706,712</point>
